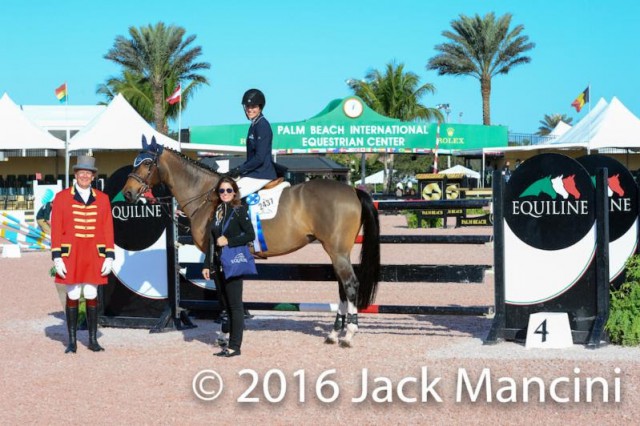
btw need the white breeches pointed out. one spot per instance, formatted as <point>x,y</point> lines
<point>75,291</point>
<point>249,185</point>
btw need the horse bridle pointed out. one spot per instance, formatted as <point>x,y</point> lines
<point>144,182</point>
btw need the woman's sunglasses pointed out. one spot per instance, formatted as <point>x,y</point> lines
<point>227,190</point>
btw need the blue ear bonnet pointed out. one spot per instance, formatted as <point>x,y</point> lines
<point>144,155</point>
<point>150,151</point>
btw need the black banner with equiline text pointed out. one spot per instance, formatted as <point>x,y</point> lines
<point>550,244</point>
<point>137,293</point>
<point>623,212</point>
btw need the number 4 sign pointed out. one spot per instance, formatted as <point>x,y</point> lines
<point>549,330</point>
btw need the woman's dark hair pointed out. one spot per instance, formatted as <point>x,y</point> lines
<point>236,201</point>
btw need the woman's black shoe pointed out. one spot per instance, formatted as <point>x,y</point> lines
<point>222,352</point>
<point>230,352</point>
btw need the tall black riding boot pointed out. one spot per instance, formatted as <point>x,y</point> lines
<point>71,312</point>
<point>92,324</point>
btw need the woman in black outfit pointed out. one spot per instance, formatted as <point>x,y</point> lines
<point>239,232</point>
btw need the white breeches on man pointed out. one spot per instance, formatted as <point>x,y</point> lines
<point>249,185</point>
<point>75,291</point>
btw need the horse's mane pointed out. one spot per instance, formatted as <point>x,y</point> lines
<point>193,162</point>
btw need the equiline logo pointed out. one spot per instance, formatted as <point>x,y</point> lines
<point>617,201</point>
<point>614,185</point>
<point>551,196</point>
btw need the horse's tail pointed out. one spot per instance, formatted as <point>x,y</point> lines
<point>369,270</point>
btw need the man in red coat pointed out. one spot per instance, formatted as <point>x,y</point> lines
<point>82,247</point>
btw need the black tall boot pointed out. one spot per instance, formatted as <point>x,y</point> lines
<point>92,324</point>
<point>71,313</point>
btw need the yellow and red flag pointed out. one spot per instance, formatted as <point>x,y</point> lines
<point>581,100</point>
<point>61,93</point>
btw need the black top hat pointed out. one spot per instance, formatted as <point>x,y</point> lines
<point>85,162</point>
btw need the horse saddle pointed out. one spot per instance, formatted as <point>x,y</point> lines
<point>273,183</point>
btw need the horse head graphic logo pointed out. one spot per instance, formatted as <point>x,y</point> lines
<point>614,185</point>
<point>559,185</point>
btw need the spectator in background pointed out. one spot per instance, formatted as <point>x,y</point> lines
<point>43,217</point>
<point>506,171</point>
<point>399,190</point>
<point>488,175</point>
<point>411,191</point>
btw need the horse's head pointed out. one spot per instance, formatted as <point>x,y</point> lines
<point>570,185</point>
<point>615,186</point>
<point>558,187</point>
<point>145,171</point>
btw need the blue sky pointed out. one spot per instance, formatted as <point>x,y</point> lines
<point>300,53</point>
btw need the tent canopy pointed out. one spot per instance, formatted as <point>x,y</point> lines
<point>376,178</point>
<point>606,126</point>
<point>18,132</point>
<point>459,169</point>
<point>119,127</point>
<point>560,129</point>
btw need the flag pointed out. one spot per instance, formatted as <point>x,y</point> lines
<point>61,93</point>
<point>582,99</point>
<point>175,96</point>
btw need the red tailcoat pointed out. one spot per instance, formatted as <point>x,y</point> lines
<point>82,235</point>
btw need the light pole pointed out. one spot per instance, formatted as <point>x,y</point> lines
<point>446,109</point>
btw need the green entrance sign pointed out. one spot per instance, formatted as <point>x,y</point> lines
<point>349,125</point>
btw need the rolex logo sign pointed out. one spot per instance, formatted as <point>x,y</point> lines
<point>450,131</point>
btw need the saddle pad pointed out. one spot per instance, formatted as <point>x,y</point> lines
<point>263,205</point>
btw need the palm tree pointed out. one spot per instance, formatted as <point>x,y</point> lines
<point>550,122</point>
<point>396,94</point>
<point>137,91</point>
<point>482,47</point>
<point>155,58</point>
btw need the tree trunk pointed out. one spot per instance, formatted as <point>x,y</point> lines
<point>158,111</point>
<point>485,90</point>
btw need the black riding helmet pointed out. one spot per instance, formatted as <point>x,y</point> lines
<point>254,97</point>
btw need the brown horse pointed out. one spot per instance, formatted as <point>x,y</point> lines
<point>324,210</point>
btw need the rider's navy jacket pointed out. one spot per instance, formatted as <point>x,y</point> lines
<point>259,143</point>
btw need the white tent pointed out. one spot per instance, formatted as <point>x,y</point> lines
<point>119,127</point>
<point>560,129</point>
<point>376,178</point>
<point>459,169</point>
<point>576,135</point>
<point>615,127</point>
<point>18,132</point>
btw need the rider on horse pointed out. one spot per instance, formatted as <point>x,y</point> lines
<point>258,169</point>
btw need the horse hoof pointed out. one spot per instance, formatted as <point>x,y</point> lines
<point>345,344</point>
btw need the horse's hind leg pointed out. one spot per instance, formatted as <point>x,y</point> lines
<point>349,282</point>
<point>338,324</point>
